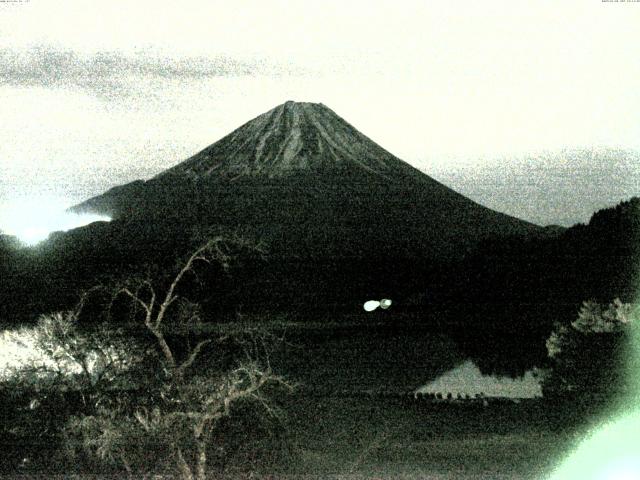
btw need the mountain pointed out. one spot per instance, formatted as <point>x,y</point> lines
<point>328,203</point>
<point>301,160</point>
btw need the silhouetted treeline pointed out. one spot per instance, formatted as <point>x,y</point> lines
<point>512,291</point>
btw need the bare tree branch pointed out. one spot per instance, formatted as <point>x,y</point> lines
<point>170,297</point>
<point>192,357</point>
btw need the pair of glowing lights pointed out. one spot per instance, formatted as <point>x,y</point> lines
<point>372,305</point>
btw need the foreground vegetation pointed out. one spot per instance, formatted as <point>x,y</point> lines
<point>364,436</point>
<point>134,382</point>
<point>148,424</point>
<point>144,404</point>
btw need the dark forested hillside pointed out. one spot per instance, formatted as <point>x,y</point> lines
<point>509,293</point>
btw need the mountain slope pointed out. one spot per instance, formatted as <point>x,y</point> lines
<point>301,160</point>
<point>333,209</point>
<point>288,145</point>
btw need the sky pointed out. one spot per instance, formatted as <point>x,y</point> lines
<point>96,94</point>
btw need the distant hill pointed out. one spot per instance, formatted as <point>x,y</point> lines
<point>563,187</point>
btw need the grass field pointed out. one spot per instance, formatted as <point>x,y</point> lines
<point>369,436</point>
<point>364,437</point>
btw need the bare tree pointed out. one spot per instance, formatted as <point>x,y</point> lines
<point>183,404</point>
<point>190,405</point>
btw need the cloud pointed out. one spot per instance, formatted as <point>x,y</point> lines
<point>109,74</point>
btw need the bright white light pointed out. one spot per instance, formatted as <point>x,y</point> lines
<point>17,349</point>
<point>33,219</point>
<point>612,453</point>
<point>371,305</point>
<point>627,469</point>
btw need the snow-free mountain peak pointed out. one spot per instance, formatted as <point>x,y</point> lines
<point>291,138</point>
